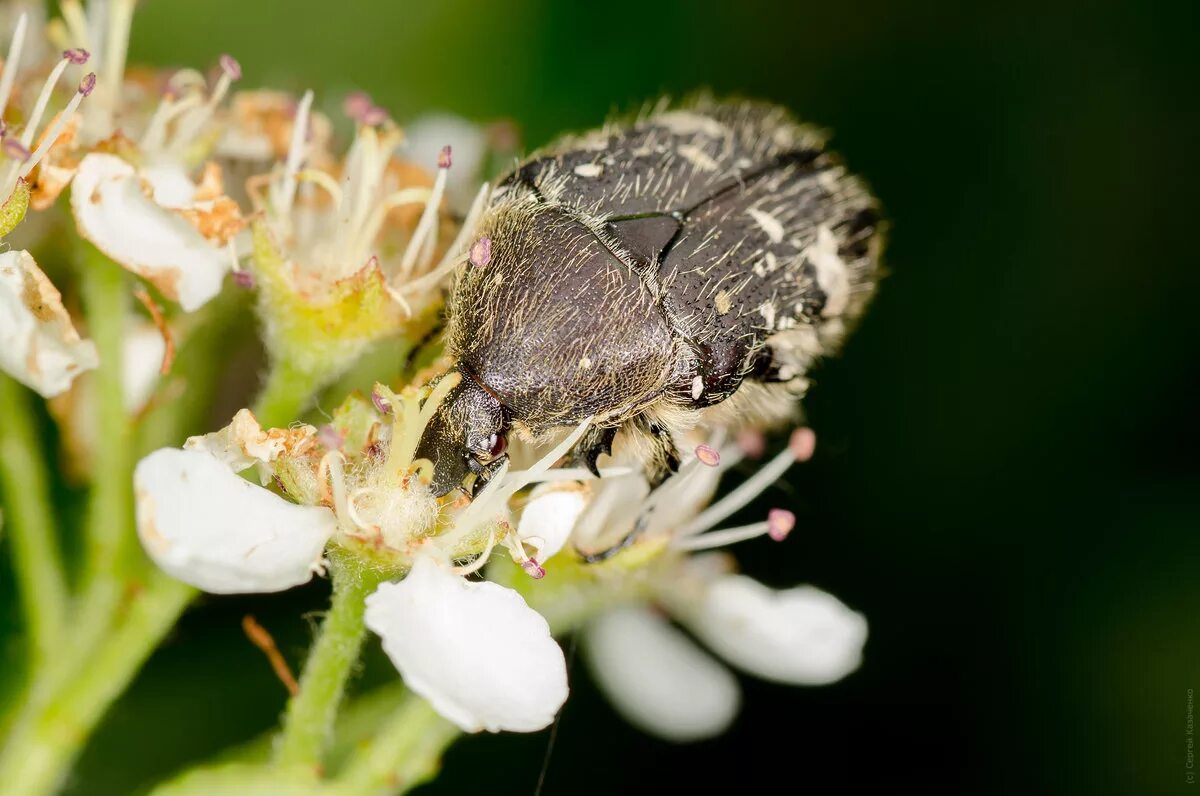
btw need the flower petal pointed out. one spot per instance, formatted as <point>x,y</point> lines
<point>801,636</point>
<point>39,346</point>
<point>141,364</point>
<point>550,515</point>
<point>243,443</point>
<point>205,525</point>
<point>113,211</point>
<point>657,678</point>
<point>483,658</point>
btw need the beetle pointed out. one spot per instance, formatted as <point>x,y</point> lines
<point>688,266</point>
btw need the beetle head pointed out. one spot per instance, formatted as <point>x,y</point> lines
<point>467,434</point>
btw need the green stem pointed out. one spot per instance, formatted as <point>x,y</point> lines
<point>38,563</point>
<point>405,752</point>
<point>110,507</point>
<point>38,754</point>
<point>286,394</point>
<point>308,723</point>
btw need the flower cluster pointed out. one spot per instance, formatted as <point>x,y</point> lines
<point>476,649</point>
<point>174,188</point>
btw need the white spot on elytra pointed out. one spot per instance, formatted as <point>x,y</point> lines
<point>697,388</point>
<point>589,170</point>
<point>831,272</point>
<point>585,363</point>
<point>768,312</point>
<point>723,302</point>
<point>768,224</point>
<point>690,123</point>
<point>698,157</point>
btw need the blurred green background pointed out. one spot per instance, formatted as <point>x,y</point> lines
<point>1006,483</point>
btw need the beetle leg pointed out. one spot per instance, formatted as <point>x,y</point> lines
<point>663,457</point>
<point>594,442</point>
<point>609,552</point>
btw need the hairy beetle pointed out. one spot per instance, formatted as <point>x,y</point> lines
<point>689,265</point>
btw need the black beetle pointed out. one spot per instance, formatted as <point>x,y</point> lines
<point>694,261</point>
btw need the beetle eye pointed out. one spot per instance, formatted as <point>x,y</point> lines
<point>492,448</point>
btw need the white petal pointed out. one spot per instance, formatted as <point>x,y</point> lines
<point>550,515</point>
<point>425,138</point>
<point>39,346</point>
<point>801,636</point>
<point>207,526</point>
<point>171,185</point>
<point>658,679</point>
<point>141,364</point>
<point>483,658</point>
<point>243,443</point>
<point>113,212</point>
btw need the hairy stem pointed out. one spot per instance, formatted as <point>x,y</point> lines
<point>405,752</point>
<point>308,723</point>
<point>41,748</point>
<point>110,502</point>
<point>285,395</point>
<point>36,558</point>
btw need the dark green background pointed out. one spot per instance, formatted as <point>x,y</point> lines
<point>1006,482</point>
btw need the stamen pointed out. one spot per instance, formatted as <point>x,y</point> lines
<point>708,456</point>
<point>356,104</point>
<point>76,21</point>
<point>51,136</point>
<point>748,489</point>
<point>76,55</point>
<point>333,464</point>
<point>287,189</point>
<point>13,61</point>
<point>167,111</point>
<point>244,279</point>
<point>405,196</point>
<point>780,523</point>
<point>15,150</point>
<point>752,443</point>
<point>450,258</point>
<point>481,559</point>
<point>721,538</point>
<point>381,404</point>
<point>39,108</point>
<point>426,224</point>
<point>516,549</point>
<point>230,66</point>
<point>116,47</point>
<point>575,474</point>
<point>481,252</point>
<point>374,116</point>
<point>190,125</point>
<point>803,443</point>
<point>330,437</point>
<point>320,178</point>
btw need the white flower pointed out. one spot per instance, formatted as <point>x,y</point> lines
<point>476,651</point>
<point>799,636</point>
<point>657,678</point>
<point>208,527</point>
<point>653,673</point>
<point>38,343</point>
<point>153,224</point>
<point>497,668</point>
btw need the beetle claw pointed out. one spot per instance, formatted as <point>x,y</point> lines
<point>587,451</point>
